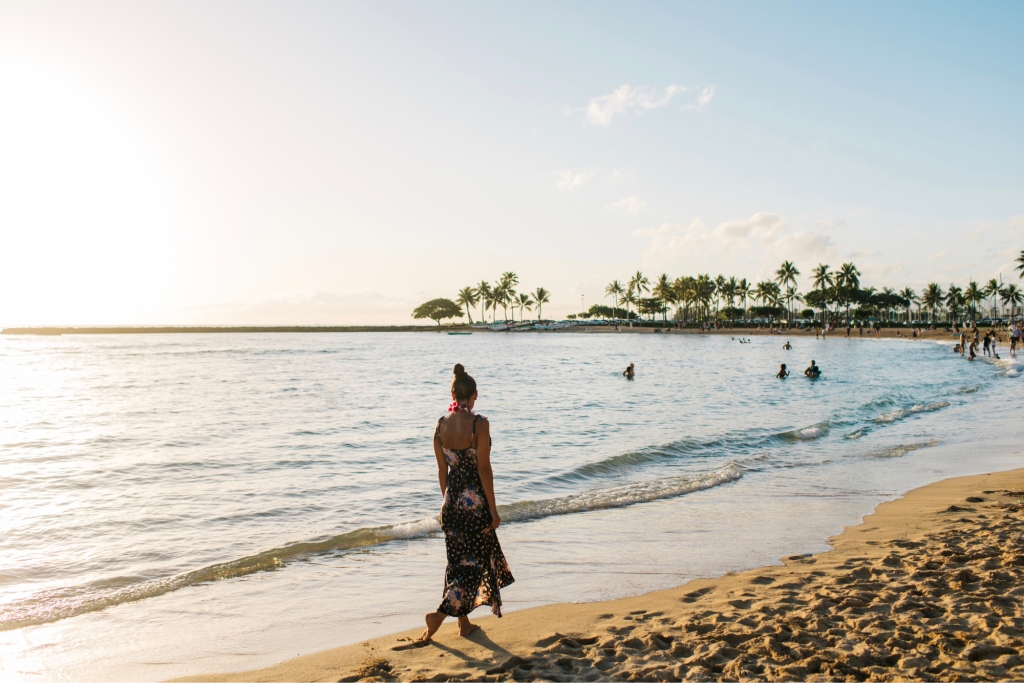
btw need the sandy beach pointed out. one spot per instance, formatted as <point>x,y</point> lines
<point>928,587</point>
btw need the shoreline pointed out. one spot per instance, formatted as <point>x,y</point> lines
<point>929,586</point>
<point>57,331</point>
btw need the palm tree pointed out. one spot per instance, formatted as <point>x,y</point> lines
<point>847,282</point>
<point>483,291</point>
<point>768,292</point>
<point>629,298</point>
<point>743,291</point>
<point>524,301</point>
<point>720,283</point>
<point>615,289</point>
<point>932,298</point>
<point>954,301</point>
<point>1011,294</point>
<point>791,296</point>
<point>640,283</point>
<point>974,295</point>
<point>992,290</point>
<point>683,294</point>
<point>468,297</point>
<point>507,285</point>
<point>663,292</point>
<point>786,277</point>
<point>909,296</point>
<point>490,300</point>
<point>540,297</point>
<point>822,281</point>
<point>1020,263</point>
<point>728,293</point>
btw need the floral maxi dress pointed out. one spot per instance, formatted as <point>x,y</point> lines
<point>477,569</point>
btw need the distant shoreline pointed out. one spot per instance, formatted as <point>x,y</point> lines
<point>55,331</point>
<point>582,328</point>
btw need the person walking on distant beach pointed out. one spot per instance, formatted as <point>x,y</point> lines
<point>477,569</point>
<point>963,342</point>
<point>629,373</point>
<point>783,372</point>
<point>812,371</point>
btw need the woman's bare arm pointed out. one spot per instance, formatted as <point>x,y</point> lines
<point>442,464</point>
<point>483,464</point>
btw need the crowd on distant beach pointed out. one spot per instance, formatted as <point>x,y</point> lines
<point>970,338</point>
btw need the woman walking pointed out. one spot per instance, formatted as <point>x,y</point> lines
<point>477,569</point>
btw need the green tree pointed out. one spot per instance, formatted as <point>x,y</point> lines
<point>468,297</point>
<point>629,297</point>
<point>524,301</point>
<point>1011,294</point>
<point>720,283</point>
<point>954,301</point>
<point>847,283</point>
<point>973,295</point>
<point>1020,263</point>
<point>614,288</point>
<point>823,280</point>
<point>909,296</point>
<point>486,296</point>
<point>743,291</point>
<point>541,296</point>
<point>438,310</point>
<point>664,293</point>
<point>639,285</point>
<point>992,290</point>
<point>683,287</point>
<point>785,276</point>
<point>728,291</point>
<point>932,299</point>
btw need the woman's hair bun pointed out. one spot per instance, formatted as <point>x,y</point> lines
<point>458,370</point>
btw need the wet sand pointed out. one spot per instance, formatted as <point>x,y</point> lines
<point>928,587</point>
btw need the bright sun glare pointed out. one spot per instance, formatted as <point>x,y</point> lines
<point>89,233</point>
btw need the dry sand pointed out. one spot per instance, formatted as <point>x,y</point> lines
<point>929,587</point>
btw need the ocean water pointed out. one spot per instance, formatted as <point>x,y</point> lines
<point>174,504</point>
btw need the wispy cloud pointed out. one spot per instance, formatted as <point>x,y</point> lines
<point>568,180</point>
<point>629,205</point>
<point>764,237</point>
<point>937,255</point>
<point>601,110</point>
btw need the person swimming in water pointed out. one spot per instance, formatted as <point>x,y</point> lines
<point>787,346</point>
<point>812,371</point>
<point>783,373</point>
<point>628,373</point>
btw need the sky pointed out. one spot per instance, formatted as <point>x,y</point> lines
<point>336,163</point>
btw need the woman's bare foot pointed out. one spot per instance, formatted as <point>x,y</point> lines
<point>465,627</point>
<point>433,621</point>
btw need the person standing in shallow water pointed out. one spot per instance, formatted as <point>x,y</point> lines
<point>477,569</point>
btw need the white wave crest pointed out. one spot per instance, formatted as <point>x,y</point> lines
<point>888,418</point>
<point>619,496</point>
<point>49,606</point>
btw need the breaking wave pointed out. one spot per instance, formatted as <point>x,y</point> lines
<point>888,418</point>
<point>53,605</point>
